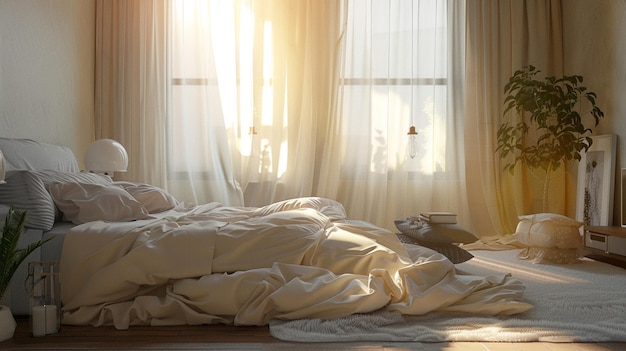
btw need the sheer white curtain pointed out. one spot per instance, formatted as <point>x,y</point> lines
<point>253,87</point>
<point>403,67</point>
<point>272,99</point>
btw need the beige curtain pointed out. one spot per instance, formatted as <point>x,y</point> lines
<point>502,37</point>
<point>130,92</point>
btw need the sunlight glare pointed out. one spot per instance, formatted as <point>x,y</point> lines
<point>246,73</point>
<point>523,272</point>
<point>268,73</point>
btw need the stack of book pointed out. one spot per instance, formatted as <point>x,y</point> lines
<point>438,217</point>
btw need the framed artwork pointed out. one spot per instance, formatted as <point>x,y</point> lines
<point>623,198</point>
<point>596,179</point>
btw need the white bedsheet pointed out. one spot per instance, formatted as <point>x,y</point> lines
<point>295,259</point>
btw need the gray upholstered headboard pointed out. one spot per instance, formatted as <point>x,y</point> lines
<point>33,155</point>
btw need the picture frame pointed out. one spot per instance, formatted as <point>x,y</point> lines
<point>623,198</point>
<point>596,180</point>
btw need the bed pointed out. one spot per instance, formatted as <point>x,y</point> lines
<point>131,254</point>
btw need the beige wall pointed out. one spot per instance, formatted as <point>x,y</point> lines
<point>46,71</point>
<point>595,47</point>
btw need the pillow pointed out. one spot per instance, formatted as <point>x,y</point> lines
<point>153,199</point>
<point>330,208</point>
<point>435,233</point>
<point>82,203</point>
<point>48,177</point>
<point>454,253</point>
<point>22,154</point>
<point>549,230</point>
<point>26,192</point>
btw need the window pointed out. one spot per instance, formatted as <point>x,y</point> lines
<point>395,73</point>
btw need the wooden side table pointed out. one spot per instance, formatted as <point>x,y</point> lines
<point>606,242</point>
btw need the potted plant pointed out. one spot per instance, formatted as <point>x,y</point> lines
<point>547,122</point>
<point>10,259</point>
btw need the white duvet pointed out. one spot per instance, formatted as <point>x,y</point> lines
<point>294,259</point>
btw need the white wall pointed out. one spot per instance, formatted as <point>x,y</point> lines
<point>595,47</point>
<point>47,71</point>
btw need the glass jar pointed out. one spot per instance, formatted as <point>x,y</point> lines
<point>45,297</point>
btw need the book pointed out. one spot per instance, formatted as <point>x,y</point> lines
<point>438,217</point>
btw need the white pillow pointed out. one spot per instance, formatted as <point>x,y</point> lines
<point>153,198</point>
<point>549,230</point>
<point>82,203</point>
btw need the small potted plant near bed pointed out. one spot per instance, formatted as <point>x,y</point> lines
<point>10,259</point>
<point>547,122</point>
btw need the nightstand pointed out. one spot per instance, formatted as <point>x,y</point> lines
<point>606,243</point>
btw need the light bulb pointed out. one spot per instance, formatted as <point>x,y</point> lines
<point>412,142</point>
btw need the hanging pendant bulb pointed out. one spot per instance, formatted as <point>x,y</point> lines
<point>412,142</point>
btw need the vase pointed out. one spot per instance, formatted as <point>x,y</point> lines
<point>7,323</point>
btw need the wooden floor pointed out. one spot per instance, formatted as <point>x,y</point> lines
<point>221,337</point>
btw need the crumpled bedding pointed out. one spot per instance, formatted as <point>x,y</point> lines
<point>299,258</point>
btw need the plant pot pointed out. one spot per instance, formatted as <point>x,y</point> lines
<point>7,323</point>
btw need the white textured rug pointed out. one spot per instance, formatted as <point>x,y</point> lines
<point>582,302</point>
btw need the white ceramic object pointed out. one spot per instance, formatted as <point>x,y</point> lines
<point>7,323</point>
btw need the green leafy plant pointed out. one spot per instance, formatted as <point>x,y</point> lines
<point>10,256</point>
<point>547,122</point>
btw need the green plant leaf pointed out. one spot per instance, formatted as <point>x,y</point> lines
<point>552,121</point>
<point>10,256</point>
